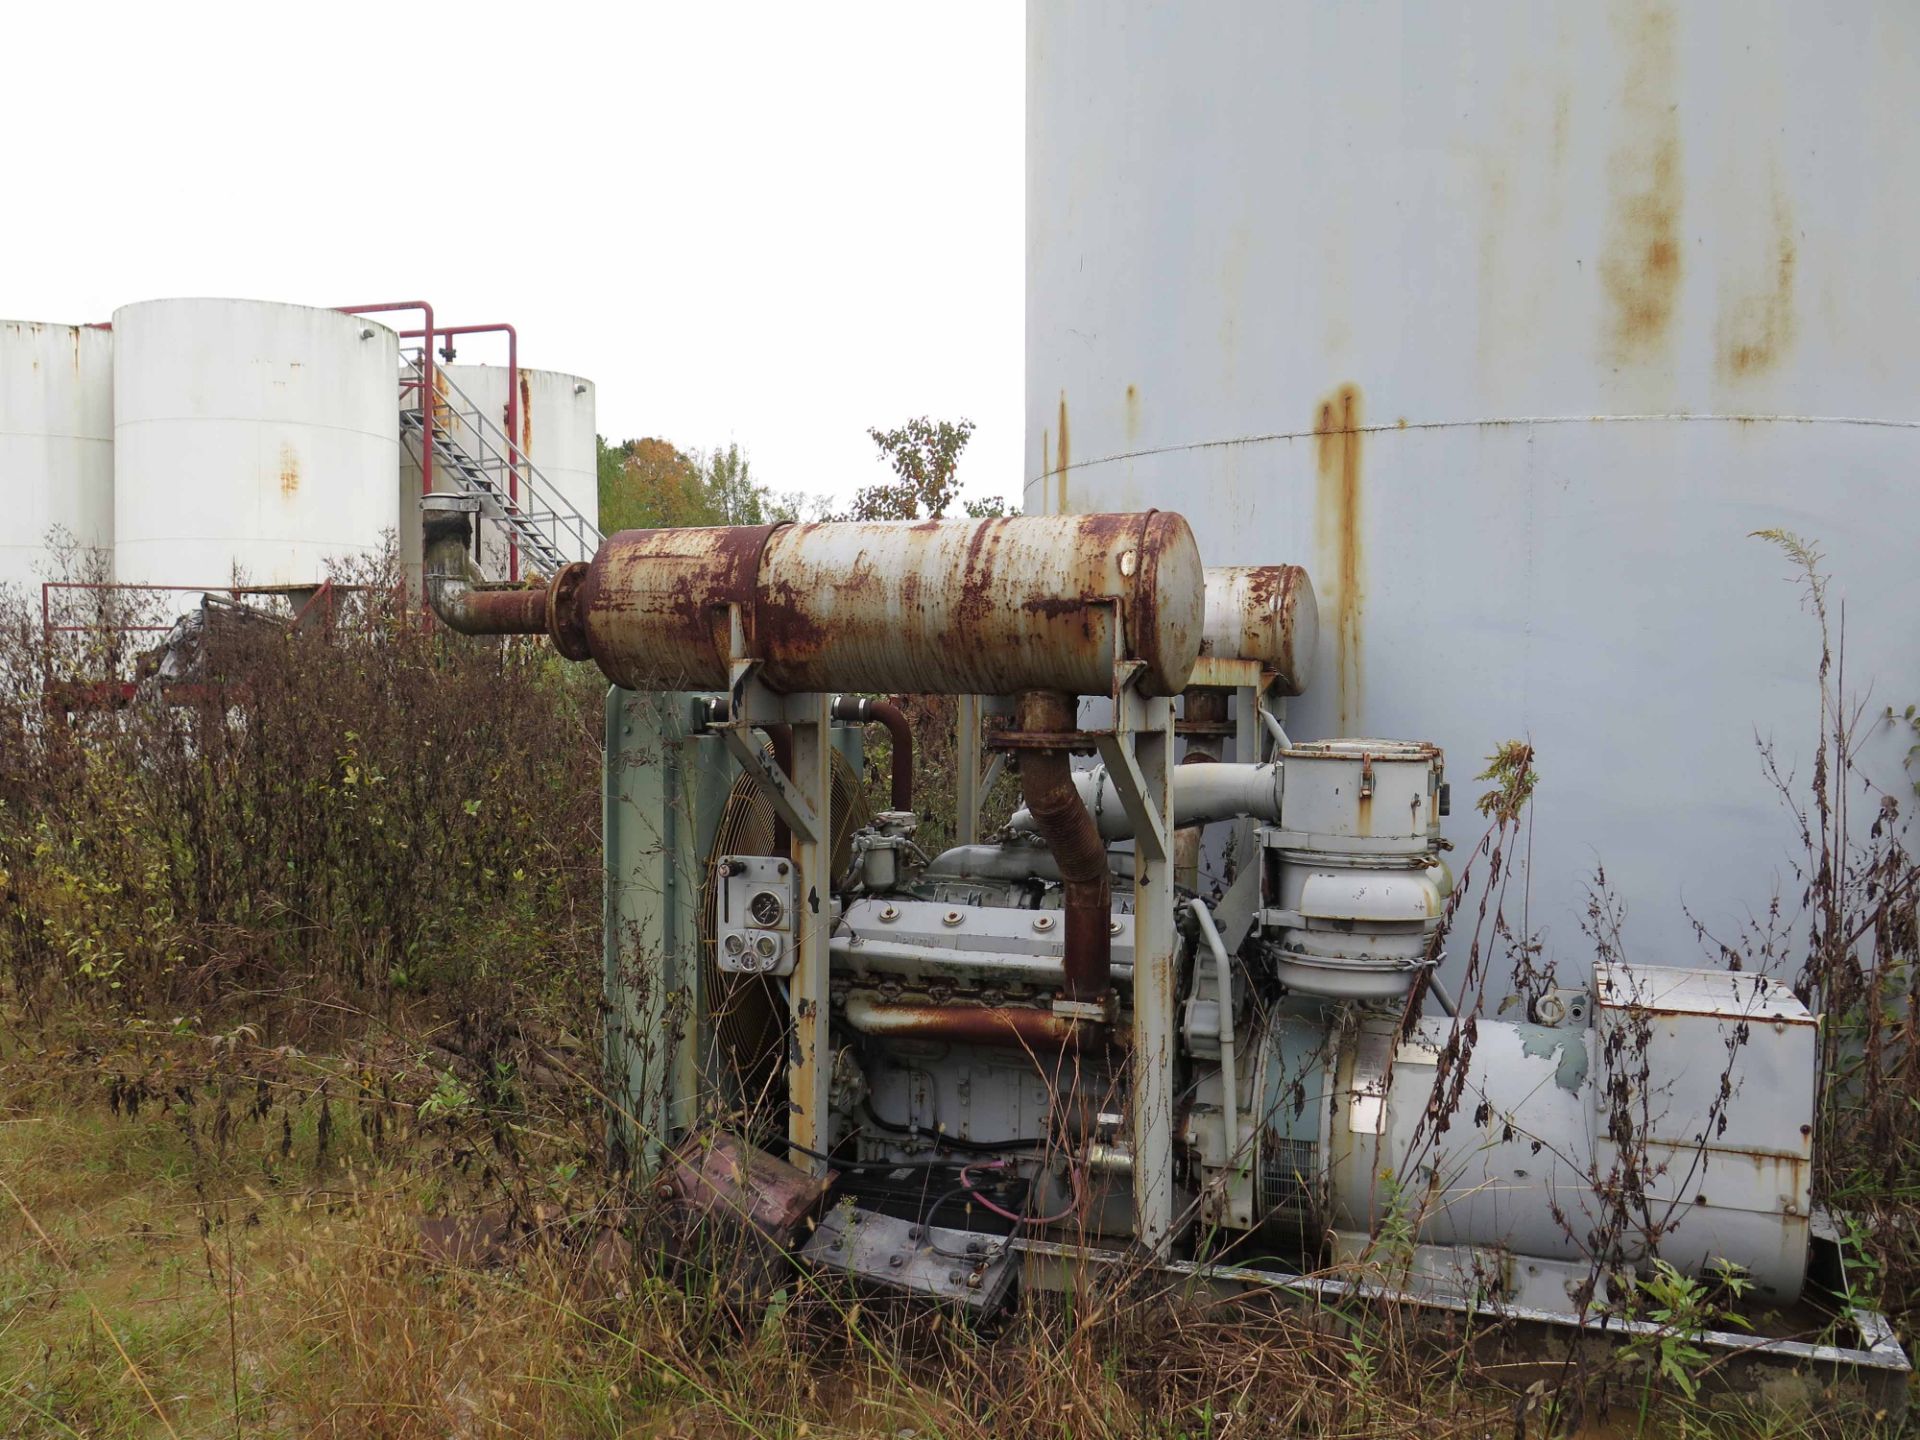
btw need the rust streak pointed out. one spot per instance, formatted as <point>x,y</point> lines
<point>1640,267</point>
<point>1756,330</point>
<point>289,473</point>
<point>1062,459</point>
<point>1337,531</point>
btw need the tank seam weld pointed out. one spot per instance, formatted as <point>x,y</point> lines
<point>1391,427</point>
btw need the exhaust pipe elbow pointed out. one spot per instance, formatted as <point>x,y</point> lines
<point>446,533</point>
<point>1064,822</point>
<point>860,710</point>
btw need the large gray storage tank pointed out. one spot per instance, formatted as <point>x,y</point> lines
<point>1511,322</point>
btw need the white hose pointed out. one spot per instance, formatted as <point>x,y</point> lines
<point>1201,794</point>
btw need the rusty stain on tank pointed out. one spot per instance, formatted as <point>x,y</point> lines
<point>1062,458</point>
<point>289,473</point>
<point>1133,416</point>
<point>1640,264</point>
<point>1337,521</point>
<point>526,415</point>
<point>1756,328</point>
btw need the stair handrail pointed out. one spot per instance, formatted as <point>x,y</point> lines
<point>559,516</point>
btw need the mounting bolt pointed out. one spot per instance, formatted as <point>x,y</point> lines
<point>896,1261</point>
<point>781,868</point>
<point>951,918</point>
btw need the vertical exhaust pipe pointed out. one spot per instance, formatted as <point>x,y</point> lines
<point>1065,823</point>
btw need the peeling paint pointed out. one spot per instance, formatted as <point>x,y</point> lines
<point>1567,1048</point>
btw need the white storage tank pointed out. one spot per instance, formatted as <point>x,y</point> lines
<point>56,444</point>
<point>556,433</point>
<point>253,437</point>
<point>1511,322</point>
<point>556,422</point>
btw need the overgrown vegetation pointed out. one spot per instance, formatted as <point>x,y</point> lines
<point>339,813</point>
<point>299,1133</point>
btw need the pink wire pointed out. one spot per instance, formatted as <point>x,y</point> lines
<point>966,1184</point>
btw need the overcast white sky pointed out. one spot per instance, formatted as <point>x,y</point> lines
<point>776,224</point>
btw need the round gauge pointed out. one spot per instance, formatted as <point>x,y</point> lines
<point>767,948</point>
<point>766,909</point>
<point>735,945</point>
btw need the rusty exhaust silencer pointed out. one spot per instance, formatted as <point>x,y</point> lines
<point>1043,607</point>
<point>962,607</point>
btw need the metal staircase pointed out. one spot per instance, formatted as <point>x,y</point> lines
<point>471,454</point>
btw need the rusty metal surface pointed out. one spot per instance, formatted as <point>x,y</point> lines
<point>653,607</point>
<point>985,607</point>
<point>934,607</point>
<point>1000,1025</point>
<point>1068,827</point>
<point>1266,613</point>
<point>720,1176</point>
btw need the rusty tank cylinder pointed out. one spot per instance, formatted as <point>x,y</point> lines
<point>1266,613</point>
<point>988,607</point>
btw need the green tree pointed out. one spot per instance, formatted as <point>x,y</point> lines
<point>652,484</point>
<point>925,456</point>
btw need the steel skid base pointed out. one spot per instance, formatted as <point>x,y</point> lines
<point>978,1272</point>
<point>1875,1369</point>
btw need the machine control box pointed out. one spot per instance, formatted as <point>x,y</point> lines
<point>757,899</point>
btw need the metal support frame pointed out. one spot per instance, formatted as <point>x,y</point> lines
<point>966,825</point>
<point>803,800</point>
<point>1138,753</point>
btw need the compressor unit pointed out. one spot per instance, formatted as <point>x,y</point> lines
<point>1182,1005</point>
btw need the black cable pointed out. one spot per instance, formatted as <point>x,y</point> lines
<point>940,1137</point>
<point>881,1165</point>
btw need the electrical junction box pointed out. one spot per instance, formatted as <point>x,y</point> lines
<point>757,899</point>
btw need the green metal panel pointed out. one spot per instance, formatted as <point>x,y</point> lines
<point>651,980</point>
<point>665,791</point>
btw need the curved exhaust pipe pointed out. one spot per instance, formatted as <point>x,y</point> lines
<point>1065,823</point>
<point>460,603</point>
<point>860,710</point>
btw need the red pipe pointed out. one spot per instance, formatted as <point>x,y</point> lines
<point>515,456</point>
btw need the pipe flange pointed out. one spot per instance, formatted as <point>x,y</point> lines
<point>564,622</point>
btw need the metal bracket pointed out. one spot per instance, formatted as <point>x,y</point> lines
<point>788,803</point>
